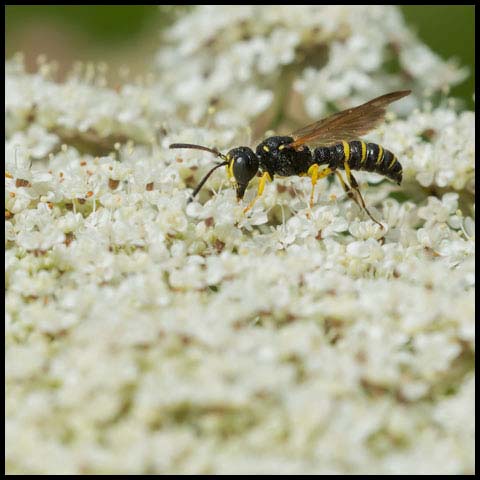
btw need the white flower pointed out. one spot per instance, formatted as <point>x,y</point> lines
<point>440,211</point>
<point>368,229</point>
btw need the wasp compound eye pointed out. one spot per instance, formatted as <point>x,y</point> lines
<point>245,164</point>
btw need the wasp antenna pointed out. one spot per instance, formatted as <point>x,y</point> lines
<point>198,147</point>
<point>204,179</point>
<point>206,149</point>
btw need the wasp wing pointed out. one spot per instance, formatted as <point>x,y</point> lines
<point>348,124</point>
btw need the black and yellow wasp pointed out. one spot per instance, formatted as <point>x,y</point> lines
<point>339,147</point>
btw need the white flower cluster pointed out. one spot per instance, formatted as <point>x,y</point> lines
<point>81,105</point>
<point>239,60</point>
<point>437,147</point>
<point>145,335</point>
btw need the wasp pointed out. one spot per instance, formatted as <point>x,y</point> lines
<point>338,147</point>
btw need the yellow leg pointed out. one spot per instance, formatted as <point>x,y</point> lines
<point>347,171</point>
<point>342,182</point>
<point>313,174</point>
<point>261,187</point>
<point>325,172</point>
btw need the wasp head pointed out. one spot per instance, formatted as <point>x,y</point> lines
<point>243,166</point>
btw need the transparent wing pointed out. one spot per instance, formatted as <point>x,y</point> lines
<point>348,124</point>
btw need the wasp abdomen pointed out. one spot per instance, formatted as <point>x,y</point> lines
<point>382,161</point>
<point>360,155</point>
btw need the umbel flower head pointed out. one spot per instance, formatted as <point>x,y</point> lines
<point>242,61</point>
<point>148,335</point>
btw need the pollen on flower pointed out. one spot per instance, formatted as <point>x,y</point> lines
<point>21,182</point>
<point>113,184</point>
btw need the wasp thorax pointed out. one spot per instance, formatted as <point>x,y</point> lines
<point>243,166</point>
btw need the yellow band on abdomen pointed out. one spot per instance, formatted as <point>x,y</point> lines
<point>346,151</point>
<point>364,151</point>
<point>380,155</point>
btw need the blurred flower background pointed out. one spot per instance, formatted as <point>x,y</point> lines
<point>145,335</point>
<point>129,35</point>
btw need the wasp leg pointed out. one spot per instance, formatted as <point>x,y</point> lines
<point>348,190</point>
<point>325,172</point>
<point>356,189</point>
<point>345,187</point>
<point>313,173</point>
<point>261,187</point>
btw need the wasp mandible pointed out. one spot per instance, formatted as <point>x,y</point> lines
<point>338,147</point>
